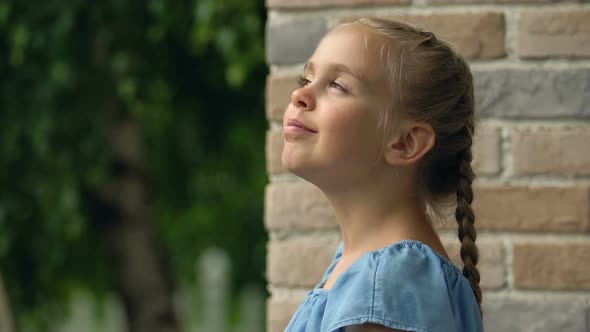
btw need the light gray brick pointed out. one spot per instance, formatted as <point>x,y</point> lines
<point>298,205</point>
<point>274,150</point>
<point>532,94</point>
<point>481,34</point>
<point>551,265</point>
<point>526,208</point>
<point>299,261</point>
<point>280,312</point>
<point>279,87</point>
<point>547,315</point>
<point>293,41</point>
<point>544,33</point>
<point>486,151</point>
<point>551,151</point>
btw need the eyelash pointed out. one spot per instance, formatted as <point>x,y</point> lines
<point>302,81</point>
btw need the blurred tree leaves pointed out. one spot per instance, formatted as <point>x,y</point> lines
<point>192,73</point>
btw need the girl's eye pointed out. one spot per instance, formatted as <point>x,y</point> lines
<point>302,81</point>
<point>337,86</point>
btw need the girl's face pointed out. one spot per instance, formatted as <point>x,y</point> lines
<point>331,126</point>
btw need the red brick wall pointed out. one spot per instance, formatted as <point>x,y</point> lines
<point>531,65</point>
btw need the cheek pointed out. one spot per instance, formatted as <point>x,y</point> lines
<point>344,117</point>
<point>353,126</point>
<point>353,134</point>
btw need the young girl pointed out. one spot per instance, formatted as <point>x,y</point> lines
<point>383,124</point>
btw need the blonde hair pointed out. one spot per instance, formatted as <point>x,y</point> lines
<point>433,83</point>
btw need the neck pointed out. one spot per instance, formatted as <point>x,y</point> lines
<point>373,215</point>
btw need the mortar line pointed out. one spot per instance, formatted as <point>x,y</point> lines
<point>511,237</point>
<point>384,10</point>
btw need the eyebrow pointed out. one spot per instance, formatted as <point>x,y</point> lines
<point>337,67</point>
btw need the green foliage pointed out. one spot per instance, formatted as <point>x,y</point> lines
<point>192,72</point>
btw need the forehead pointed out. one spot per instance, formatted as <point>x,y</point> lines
<point>354,47</point>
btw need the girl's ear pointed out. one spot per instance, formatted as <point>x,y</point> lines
<point>409,144</point>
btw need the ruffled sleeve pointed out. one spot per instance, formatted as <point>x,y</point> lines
<point>405,286</point>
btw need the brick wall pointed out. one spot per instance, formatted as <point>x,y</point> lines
<point>531,64</point>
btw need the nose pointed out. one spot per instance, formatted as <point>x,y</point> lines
<point>303,98</point>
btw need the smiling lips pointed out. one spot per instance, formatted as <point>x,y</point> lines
<point>294,126</point>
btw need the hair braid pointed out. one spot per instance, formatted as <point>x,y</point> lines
<point>466,219</point>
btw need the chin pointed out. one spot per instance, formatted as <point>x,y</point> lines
<point>291,158</point>
<point>292,164</point>
<point>305,166</point>
<point>297,165</point>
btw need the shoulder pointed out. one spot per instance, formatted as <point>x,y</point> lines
<point>412,265</point>
<point>405,286</point>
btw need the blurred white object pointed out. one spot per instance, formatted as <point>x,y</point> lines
<point>214,268</point>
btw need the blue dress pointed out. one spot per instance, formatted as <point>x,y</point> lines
<point>406,286</point>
